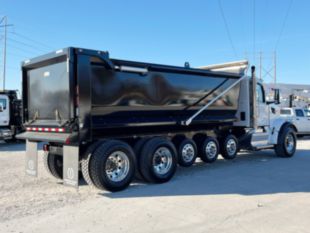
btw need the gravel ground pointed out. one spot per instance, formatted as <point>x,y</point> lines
<point>253,193</point>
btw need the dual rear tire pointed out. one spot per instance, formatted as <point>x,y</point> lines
<point>158,160</point>
<point>111,165</point>
<point>53,164</point>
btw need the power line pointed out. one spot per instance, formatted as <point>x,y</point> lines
<point>227,28</point>
<point>284,23</point>
<point>26,44</point>
<point>16,55</point>
<point>20,49</point>
<point>32,40</point>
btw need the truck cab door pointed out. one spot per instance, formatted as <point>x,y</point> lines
<point>262,107</point>
<point>4,111</point>
<point>302,123</point>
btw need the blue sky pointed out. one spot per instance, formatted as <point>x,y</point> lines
<point>167,32</point>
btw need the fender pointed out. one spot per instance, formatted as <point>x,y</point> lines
<point>276,127</point>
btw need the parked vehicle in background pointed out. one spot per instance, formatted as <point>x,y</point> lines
<point>307,111</point>
<point>10,115</point>
<point>299,117</point>
<point>114,118</point>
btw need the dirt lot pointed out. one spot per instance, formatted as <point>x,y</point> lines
<point>254,193</point>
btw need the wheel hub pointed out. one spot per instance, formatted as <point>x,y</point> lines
<point>188,152</point>
<point>289,143</point>
<point>162,160</point>
<point>211,150</point>
<point>117,166</point>
<point>231,146</point>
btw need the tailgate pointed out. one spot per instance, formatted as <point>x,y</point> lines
<point>47,89</point>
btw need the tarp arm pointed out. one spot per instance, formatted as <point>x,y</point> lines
<point>189,120</point>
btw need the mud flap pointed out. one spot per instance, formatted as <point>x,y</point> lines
<point>71,166</point>
<point>31,158</point>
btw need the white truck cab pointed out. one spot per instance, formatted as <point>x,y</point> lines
<point>10,116</point>
<point>4,111</point>
<point>258,120</point>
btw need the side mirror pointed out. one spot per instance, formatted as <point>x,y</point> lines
<point>276,96</point>
<point>1,108</point>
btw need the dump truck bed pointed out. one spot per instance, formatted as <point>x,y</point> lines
<point>87,91</point>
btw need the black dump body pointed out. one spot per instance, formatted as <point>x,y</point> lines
<point>93,96</point>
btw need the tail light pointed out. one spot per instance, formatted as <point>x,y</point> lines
<point>40,129</point>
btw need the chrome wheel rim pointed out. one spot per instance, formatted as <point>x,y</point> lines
<point>162,160</point>
<point>188,152</point>
<point>289,143</point>
<point>231,147</point>
<point>211,149</point>
<point>117,166</point>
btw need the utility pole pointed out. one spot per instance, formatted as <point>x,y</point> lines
<point>260,65</point>
<point>5,20</point>
<point>275,67</point>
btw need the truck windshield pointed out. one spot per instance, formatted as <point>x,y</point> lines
<point>48,93</point>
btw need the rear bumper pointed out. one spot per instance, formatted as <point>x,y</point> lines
<point>44,137</point>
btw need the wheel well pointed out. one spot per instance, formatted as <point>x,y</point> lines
<point>286,125</point>
<point>294,127</point>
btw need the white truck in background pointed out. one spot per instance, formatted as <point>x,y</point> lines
<point>10,115</point>
<point>300,118</point>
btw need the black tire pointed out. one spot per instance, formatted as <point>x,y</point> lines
<point>281,148</point>
<point>100,159</point>
<point>159,145</point>
<point>53,164</point>
<point>137,149</point>
<point>177,140</point>
<point>187,152</point>
<point>11,140</point>
<point>86,161</point>
<point>209,150</point>
<point>199,138</point>
<point>229,147</point>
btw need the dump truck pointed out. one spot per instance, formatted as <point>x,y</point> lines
<point>10,115</point>
<point>111,120</point>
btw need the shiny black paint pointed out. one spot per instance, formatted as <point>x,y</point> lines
<point>66,55</point>
<point>51,92</point>
<point>105,101</point>
<point>121,99</point>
